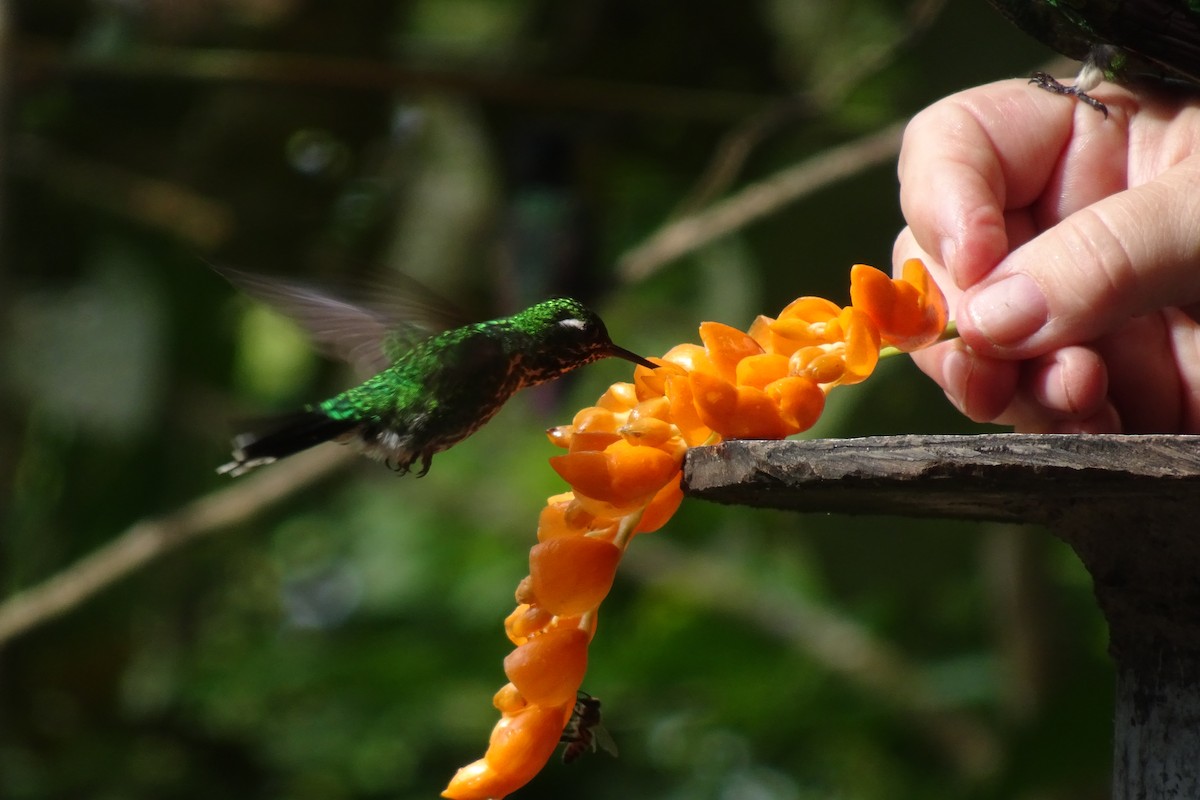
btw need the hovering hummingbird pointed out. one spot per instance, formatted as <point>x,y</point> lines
<point>1147,41</point>
<point>583,730</point>
<point>430,390</point>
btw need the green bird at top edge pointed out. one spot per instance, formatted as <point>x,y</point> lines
<point>1131,43</point>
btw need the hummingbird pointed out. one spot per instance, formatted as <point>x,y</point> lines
<point>1132,43</point>
<point>430,390</point>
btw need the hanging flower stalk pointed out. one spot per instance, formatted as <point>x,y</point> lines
<point>624,465</point>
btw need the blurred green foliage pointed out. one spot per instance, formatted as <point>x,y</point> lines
<point>346,644</point>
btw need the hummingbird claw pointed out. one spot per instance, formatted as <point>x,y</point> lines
<point>1046,81</point>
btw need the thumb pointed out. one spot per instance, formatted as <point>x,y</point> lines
<point>1131,253</point>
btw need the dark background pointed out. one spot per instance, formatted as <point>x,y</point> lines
<point>346,643</point>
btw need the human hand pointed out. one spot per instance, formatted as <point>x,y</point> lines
<point>1068,246</point>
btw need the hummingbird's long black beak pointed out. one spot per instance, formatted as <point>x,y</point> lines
<point>629,355</point>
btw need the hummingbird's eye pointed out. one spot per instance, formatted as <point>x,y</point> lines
<point>573,322</point>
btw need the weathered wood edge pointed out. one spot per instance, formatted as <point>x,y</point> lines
<point>1002,476</point>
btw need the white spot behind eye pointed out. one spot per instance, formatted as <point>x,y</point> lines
<point>572,323</point>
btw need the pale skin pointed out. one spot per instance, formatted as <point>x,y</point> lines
<point>1068,246</point>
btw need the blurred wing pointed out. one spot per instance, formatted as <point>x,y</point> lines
<point>362,336</point>
<point>604,739</point>
<point>412,308</point>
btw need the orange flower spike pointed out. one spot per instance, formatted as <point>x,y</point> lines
<point>662,507</point>
<point>571,576</point>
<point>727,346</point>
<point>549,668</point>
<point>910,312</point>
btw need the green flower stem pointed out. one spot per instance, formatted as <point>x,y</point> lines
<point>951,332</point>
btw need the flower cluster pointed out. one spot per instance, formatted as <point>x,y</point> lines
<point>623,462</point>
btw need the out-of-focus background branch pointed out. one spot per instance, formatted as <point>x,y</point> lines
<point>667,163</point>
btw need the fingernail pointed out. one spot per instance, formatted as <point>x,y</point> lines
<point>948,251</point>
<point>1009,311</point>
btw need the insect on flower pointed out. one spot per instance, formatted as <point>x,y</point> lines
<point>584,731</point>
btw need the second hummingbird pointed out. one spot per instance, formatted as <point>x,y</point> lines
<point>432,391</point>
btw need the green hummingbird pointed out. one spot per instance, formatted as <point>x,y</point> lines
<point>1147,41</point>
<point>429,390</point>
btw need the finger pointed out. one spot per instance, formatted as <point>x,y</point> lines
<point>981,388</point>
<point>1124,256</point>
<point>968,159</point>
<point>1145,384</point>
<point>1068,384</point>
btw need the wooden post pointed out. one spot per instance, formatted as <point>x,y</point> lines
<point>1128,505</point>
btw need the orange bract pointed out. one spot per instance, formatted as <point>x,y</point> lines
<point>738,412</point>
<point>572,575</point>
<point>525,622</point>
<point>799,399</point>
<point>520,746</point>
<point>909,312</point>
<point>726,347</point>
<point>662,507</point>
<point>548,668</point>
<point>622,476</point>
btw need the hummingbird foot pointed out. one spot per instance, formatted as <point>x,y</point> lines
<point>1045,81</point>
<point>426,461</point>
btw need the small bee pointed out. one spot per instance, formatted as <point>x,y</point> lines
<point>584,731</point>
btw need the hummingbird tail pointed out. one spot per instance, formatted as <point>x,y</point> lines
<point>282,437</point>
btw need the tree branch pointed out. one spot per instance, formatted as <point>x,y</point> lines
<point>760,199</point>
<point>150,539</point>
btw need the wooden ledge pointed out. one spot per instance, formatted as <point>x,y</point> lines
<point>1008,477</point>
